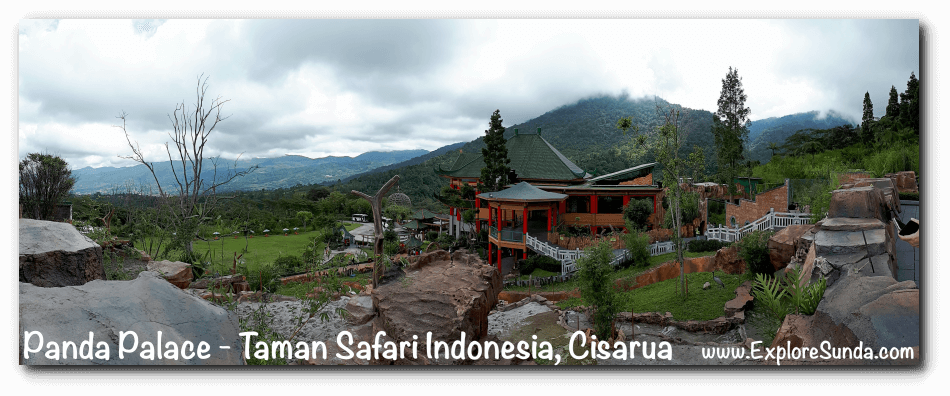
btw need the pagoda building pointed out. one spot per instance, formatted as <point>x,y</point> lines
<point>548,190</point>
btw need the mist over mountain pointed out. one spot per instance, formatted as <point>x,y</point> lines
<point>777,129</point>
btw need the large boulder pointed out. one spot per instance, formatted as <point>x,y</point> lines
<point>783,245</point>
<point>145,305</point>
<point>859,202</point>
<point>55,254</point>
<point>904,181</point>
<point>872,312</point>
<point>439,293</point>
<point>891,196</point>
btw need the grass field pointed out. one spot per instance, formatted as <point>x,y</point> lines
<point>260,249</point>
<point>662,296</point>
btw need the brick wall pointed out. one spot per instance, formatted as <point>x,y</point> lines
<point>750,211</point>
<point>851,177</point>
<point>640,181</point>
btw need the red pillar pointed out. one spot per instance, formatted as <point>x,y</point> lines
<point>626,200</point>
<point>549,219</point>
<point>524,254</point>
<point>489,252</point>
<point>593,204</point>
<point>562,207</point>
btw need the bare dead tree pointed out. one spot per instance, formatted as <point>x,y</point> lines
<point>191,197</point>
<point>376,202</point>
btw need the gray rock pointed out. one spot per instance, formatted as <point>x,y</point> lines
<point>850,224</point>
<point>822,265</point>
<point>360,310</point>
<point>145,305</point>
<point>55,254</point>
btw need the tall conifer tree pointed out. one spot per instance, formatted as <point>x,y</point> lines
<point>867,119</point>
<point>495,173</point>
<point>731,127</point>
<point>893,107</point>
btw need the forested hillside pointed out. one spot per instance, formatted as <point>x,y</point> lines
<point>778,129</point>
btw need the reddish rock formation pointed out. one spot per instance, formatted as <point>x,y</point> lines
<point>728,261</point>
<point>810,331</point>
<point>743,299</point>
<point>783,245</point>
<point>439,294</point>
<point>904,181</point>
<point>859,202</point>
<point>175,272</point>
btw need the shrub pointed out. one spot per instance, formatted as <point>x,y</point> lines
<point>432,236</point>
<point>596,287</point>
<point>287,265</point>
<point>638,243</point>
<point>638,212</point>
<point>445,240</point>
<point>265,278</point>
<point>708,245</point>
<point>754,249</point>
<point>538,261</point>
<point>390,248</point>
<point>390,236</point>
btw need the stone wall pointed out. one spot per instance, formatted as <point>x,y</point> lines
<point>750,211</point>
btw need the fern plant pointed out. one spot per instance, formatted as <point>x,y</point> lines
<point>767,291</point>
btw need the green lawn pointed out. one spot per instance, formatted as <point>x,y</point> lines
<point>261,249</point>
<point>629,272</point>
<point>351,226</point>
<point>662,296</point>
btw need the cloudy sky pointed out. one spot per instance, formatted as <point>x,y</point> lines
<point>334,87</point>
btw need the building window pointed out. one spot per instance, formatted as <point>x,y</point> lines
<point>580,204</point>
<point>609,204</point>
<point>733,221</point>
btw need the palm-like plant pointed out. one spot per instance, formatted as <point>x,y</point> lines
<point>773,147</point>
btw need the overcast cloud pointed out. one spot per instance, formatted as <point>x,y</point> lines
<point>334,87</point>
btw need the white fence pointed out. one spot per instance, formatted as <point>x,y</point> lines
<point>568,258</point>
<point>771,221</point>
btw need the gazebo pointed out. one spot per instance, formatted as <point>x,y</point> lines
<point>348,239</point>
<point>412,244</point>
<point>509,212</point>
<point>415,227</point>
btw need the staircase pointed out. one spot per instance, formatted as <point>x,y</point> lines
<point>568,258</point>
<point>770,222</point>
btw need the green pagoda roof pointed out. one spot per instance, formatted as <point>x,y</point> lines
<point>531,156</point>
<point>626,174</point>
<point>413,225</point>
<point>413,242</point>
<point>422,214</point>
<point>523,192</point>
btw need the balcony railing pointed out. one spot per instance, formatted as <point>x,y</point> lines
<point>507,235</point>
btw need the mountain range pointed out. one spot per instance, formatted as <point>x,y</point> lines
<point>286,171</point>
<point>585,131</point>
